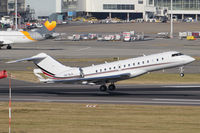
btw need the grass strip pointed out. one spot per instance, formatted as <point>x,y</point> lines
<point>102,59</point>
<point>109,59</point>
<point>104,118</point>
<point>164,78</point>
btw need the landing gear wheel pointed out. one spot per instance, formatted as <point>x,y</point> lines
<point>103,88</point>
<point>9,47</point>
<point>182,75</point>
<point>182,71</point>
<point>111,87</point>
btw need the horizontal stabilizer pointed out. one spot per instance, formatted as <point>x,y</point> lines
<point>38,73</point>
<point>26,59</point>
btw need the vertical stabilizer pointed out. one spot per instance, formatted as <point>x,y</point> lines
<point>48,27</point>
<point>46,63</point>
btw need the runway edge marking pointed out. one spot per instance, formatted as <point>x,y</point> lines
<point>154,101</point>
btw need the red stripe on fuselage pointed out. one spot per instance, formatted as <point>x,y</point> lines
<point>47,74</point>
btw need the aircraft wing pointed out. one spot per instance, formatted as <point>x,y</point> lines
<point>96,80</point>
<point>104,79</point>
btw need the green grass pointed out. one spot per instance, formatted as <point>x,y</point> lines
<point>102,59</point>
<point>197,58</point>
<point>24,76</point>
<point>164,78</point>
<point>99,60</point>
<point>90,59</point>
<point>109,118</point>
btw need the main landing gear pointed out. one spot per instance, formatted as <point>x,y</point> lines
<point>104,88</point>
<point>9,47</point>
<point>182,71</point>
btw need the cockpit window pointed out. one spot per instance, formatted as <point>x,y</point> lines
<point>177,54</point>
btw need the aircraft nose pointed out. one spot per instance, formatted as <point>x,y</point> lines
<point>190,59</point>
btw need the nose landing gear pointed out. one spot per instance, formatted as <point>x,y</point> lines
<point>182,72</point>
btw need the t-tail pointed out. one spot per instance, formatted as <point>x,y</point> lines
<point>48,29</point>
<point>48,66</point>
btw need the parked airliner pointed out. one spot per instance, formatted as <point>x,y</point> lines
<point>7,38</point>
<point>108,73</point>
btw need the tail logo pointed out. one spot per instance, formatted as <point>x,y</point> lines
<point>50,26</point>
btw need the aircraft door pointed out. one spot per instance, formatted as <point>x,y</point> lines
<point>81,72</point>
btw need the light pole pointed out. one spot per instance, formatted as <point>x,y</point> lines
<point>171,32</point>
<point>16,27</point>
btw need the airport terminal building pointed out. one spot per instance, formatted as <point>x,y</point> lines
<point>132,9</point>
<point>124,9</point>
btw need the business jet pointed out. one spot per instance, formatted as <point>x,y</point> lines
<point>7,38</point>
<point>51,71</point>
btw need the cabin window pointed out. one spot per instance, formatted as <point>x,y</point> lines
<point>96,71</point>
<point>105,69</point>
<point>124,65</point>
<point>100,70</point>
<point>162,58</point>
<point>119,67</point>
<point>147,61</point>
<point>157,59</point>
<point>110,68</point>
<point>138,63</point>
<point>129,65</point>
<point>142,62</point>
<point>133,64</point>
<point>114,67</point>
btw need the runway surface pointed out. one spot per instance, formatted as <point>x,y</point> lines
<point>125,94</point>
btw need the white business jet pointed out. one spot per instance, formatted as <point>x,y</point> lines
<point>7,38</point>
<point>107,73</point>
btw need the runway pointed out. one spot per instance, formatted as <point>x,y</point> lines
<point>125,94</point>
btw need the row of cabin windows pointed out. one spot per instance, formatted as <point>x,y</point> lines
<point>127,65</point>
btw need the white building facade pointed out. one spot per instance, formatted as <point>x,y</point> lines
<point>110,5</point>
<point>111,8</point>
<point>137,8</point>
<point>125,9</point>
